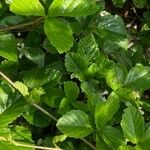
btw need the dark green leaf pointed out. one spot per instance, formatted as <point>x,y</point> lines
<point>139,3</point>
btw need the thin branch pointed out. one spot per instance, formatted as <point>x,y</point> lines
<point>35,147</point>
<point>33,104</point>
<point>23,25</point>
<point>88,143</point>
<point>42,110</point>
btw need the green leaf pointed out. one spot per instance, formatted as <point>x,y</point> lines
<point>138,77</point>
<point>11,20</point>
<point>75,123</point>
<point>128,94</point>
<point>72,8</point>
<point>22,88</point>
<point>36,117</point>
<point>7,97</point>
<point>40,76</point>
<point>116,76</point>
<point>11,113</point>
<point>71,90</point>
<point>27,7</point>
<point>139,3</point>
<point>118,50</point>
<point>9,67</point>
<point>132,124</point>
<point>88,48</point>
<point>35,95</point>
<point>3,8</point>
<point>113,137</point>
<point>65,106</point>
<point>77,65</point>
<point>59,33</point>
<point>127,147</point>
<point>105,110</point>
<point>52,98</point>
<point>118,3</point>
<point>100,143</point>
<point>111,27</point>
<point>3,100</point>
<point>11,146</point>
<point>145,139</point>
<point>36,55</point>
<point>8,47</point>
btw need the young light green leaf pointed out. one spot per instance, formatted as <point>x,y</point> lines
<point>113,137</point>
<point>35,95</point>
<point>105,110</point>
<point>65,106</point>
<point>72,8</point>
<point>8,47</point>
<point>59,34</point>
<point>132,124</point>
<point>27,7</point>
<point>22,88</point>
<point>88,48</point>
<point>138,77</point>
<point>77,65</point>
<point>59,138</point>
<point>139,3</point>
<point>71,90</point>
<point>75,123</point>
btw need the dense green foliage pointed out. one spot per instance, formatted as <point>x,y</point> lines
<point>75,74</point>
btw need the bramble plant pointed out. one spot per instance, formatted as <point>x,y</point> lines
<point>75,74</point>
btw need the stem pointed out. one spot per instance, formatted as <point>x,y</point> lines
<point>42,110</point>
<point>88,143</point>
<point>33,104</point>
<point>23,25</point>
